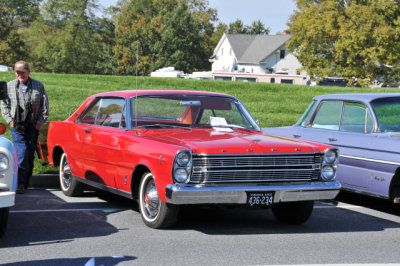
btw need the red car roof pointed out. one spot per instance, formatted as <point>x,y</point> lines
<point>131,93</point>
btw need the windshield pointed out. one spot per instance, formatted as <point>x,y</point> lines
<point>190,111</point>
<point>387,111</point>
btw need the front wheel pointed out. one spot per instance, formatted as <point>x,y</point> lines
<point>3,220</point>
<point>154,212</point>
<point>293,212</point>
<point>69,185</point>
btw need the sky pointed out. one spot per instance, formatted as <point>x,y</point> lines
<point>272,13</point>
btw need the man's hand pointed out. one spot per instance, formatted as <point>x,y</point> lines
<point>12,124</point>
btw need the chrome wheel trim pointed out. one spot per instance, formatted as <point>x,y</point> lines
<point>151,202</point>
<point>65,173</point>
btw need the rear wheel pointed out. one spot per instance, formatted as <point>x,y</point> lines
<point>154,212</point>
<point>3,220</point>
<point>69,185</point>
<point>293,212</point>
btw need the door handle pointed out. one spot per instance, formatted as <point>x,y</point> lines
<point>296,136</point>
<point>332,139</point>
<point>87,130</point>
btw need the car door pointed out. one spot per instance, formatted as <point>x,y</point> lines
<point>354,140</point>
<point>345,125</point>
<point>104,129</point>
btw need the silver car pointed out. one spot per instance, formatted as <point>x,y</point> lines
<point>366,129</point>
<point>8,178</point>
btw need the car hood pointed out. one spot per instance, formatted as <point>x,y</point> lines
<point>232,142</point>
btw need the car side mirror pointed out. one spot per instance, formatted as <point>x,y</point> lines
<point>3,90</point>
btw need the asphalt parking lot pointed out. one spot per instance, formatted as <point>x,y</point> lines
<point>48,228</point>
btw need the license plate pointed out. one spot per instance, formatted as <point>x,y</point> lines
<point>260,198</point>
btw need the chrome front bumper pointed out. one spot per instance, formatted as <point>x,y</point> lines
<point>7,199</point>
<point>236,194</point>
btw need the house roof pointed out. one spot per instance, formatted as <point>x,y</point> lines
<point>255,48</point>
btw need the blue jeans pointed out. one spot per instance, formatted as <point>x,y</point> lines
<point>25,144</point>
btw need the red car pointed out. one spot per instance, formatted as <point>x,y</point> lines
<point>168,148</point>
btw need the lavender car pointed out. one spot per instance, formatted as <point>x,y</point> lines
<point>366,129</point>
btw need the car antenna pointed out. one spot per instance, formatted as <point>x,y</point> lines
<point>136,100</point>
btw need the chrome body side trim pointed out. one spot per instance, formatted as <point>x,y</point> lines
<point>104,187</point>
<point>369,160</point>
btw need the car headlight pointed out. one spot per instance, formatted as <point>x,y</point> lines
<point>183,158</point>
<point>182,168</point>
<point>329,164</point>
<point>328,173</point>
<point>181,175</point>
<point>4,162</point>
<point>331,156</point>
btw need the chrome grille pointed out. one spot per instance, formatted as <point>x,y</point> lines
<point>255,168</point>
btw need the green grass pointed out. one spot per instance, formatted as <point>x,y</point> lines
<point>271,104</point>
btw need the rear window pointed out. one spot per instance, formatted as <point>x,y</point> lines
<point>387,111</point>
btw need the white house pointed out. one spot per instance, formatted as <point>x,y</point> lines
<point>259,58</point>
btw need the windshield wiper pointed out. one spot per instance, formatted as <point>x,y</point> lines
<point>233,127</point>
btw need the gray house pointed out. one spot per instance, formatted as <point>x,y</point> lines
<point>261,58</point>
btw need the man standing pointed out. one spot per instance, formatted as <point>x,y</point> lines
<point>25,110</point>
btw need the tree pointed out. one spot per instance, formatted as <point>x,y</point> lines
<point>237,27</point>
<point>180,43</point>
<point>220,29</point>
<point>158,33</point>
<point>68,38</point>
<point>14,17</point>
<point>358,40</point>
<point>256,27</point>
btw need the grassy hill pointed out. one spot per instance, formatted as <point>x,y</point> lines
<point>271,104</point>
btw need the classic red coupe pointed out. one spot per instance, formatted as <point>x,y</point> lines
<point>168,148</point>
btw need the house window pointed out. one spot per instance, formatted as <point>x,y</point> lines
<point>222,51</point>
<point>287,81</point>
<point>282,55</point>
<point>246,79</point>
<point>222,78</point>
<point>272,80</point>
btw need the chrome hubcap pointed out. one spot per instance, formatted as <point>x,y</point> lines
<point>151,200</point>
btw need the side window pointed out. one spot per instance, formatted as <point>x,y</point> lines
<point>356,118</point>
<point>90,115</point>
<point>328,115</point>
<point>110,112</point>
<point>106,112</point>
<point>306,116</point>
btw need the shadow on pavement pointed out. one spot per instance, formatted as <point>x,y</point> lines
<point>377,204</point>
<point>40,217</point>
<point>106,261</point>
<point>241,221</point>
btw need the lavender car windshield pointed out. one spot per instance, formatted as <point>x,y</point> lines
<point>387,111</point>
